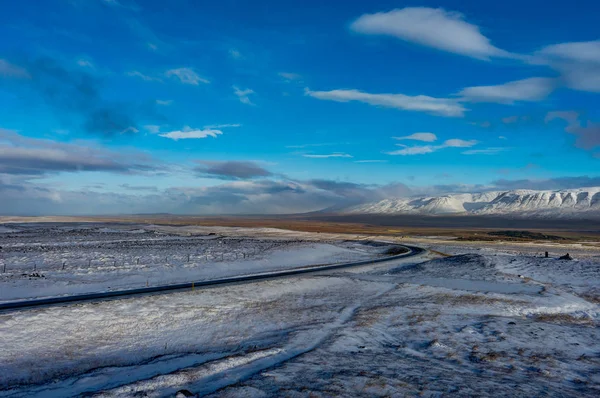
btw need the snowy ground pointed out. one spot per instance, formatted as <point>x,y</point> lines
<point>52,260</point>
<point>476,324</point>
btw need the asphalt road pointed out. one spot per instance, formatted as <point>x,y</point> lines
<point>31,304</point>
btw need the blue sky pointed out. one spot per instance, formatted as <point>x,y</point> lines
<point>116,106</point>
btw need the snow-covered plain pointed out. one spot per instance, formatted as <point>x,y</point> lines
<point>53,260</point>
<point>495,322</point>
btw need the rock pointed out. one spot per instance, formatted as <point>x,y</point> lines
<point>566,257</point>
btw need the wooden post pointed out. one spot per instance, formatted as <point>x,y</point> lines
<point>64,262</point>
<point>546,254</point>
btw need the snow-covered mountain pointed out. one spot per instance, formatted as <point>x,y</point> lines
<point>570,203</point>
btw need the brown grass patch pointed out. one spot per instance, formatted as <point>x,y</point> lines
<point>562,318</point>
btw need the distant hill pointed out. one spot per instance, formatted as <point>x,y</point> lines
<point>570,203</point>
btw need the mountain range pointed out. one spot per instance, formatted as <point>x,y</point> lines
<point>568,203</point>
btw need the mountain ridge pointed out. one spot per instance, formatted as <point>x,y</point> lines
<point>565,203</point>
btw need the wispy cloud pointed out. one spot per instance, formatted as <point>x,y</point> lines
<point>144,77</point>
<point>458,143</point>
<point>289,76</point>
<point>186,76</point>
<point>532,89</point>
<point>243,95</point>
<point>235,54</point>
<point>231,170</point>
<point>587,133</point>
<point>425,137</point>
<point>425,149</point>
<point>486,151</point>
<point>10,70</point>
<point>371,161</point>
<point>222,126</point>
<point>190,133</point>
<point>329,155</point>
<point>312,145</point>
<point>421,103</point>
<point>431,27</point>
<point>164,102</point>
<point>414,150</point>
<point>85,63</point>
<point>20,155</point>
<point>577,62</point>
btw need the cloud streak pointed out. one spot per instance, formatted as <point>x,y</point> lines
<point>421,103</point>
<point>20,155</point>
<point>425,137</point>
<point>188,133</point>
<point>432,27</point>
<point>231,170</point>
<point>186,76</point>
<point>326,156</point>
<point>532,89</point>
<point>425,149</point>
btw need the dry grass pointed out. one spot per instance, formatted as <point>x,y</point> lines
<point>376,225</point>
<point>562,318</point>
<point>470,299</point>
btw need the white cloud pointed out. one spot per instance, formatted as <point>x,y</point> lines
<point>243,95</point>
<point>152,46</point>
<point>431,27</point>
<point>85,63</point>
<point>415,150</point>
<point>164,102</point>
<point>577,62</point>
<point>586,51</point>
<point>222,126</point>
<point>421,150</point>
<point>290,76</point>
<point>235,54</point>
<point>532,89</point>
<point>186,76</point>
<point>421,103</point>
<point>152,128</point>
<point>371,161</point>
<point>10,70</point>
<point>486,151</point>
<point>144,77</point>
<point>190,133</point>
<point>330,155</point>
<point>458,143</point>
<point>425,137</point>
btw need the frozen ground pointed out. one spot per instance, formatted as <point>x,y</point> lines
<point>45,260</point>
<point>476,324</point>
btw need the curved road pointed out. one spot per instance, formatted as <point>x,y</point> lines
<point>30,304</point>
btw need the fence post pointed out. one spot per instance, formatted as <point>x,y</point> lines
<point>63,267</point>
